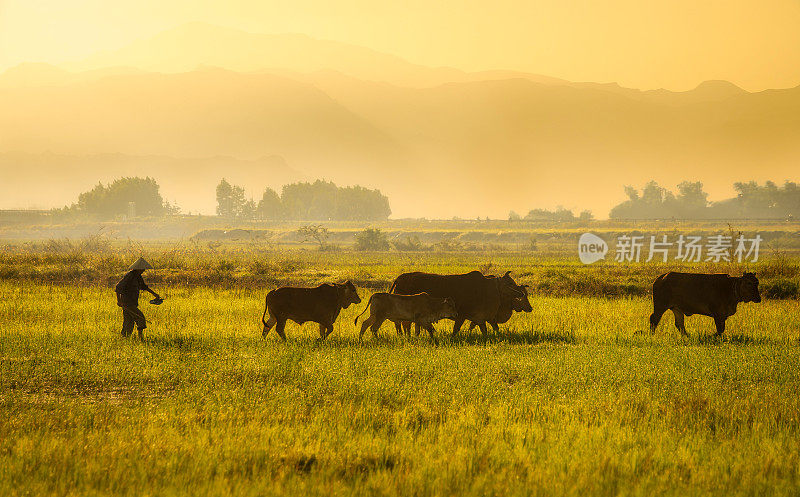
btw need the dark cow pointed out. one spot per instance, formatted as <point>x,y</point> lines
<point>507,308</point>
<point>713,295</point>
<point>420,309</point>
<point>319,305</point>
<point>477,297</point>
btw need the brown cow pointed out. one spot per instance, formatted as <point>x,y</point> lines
<point>477,297</point>
<point>714,295</point>
<point>319,305</point>
<point>420,309</point>
<point>505,311</point>
<point>508,306</point>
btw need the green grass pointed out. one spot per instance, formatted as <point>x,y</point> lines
<point>567,399</point>
<point>559,273</point>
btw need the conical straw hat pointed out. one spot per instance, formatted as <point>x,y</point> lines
<point>140,264</point>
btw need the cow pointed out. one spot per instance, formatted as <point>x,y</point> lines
<point>420,309</point>
<point>477,297</point>
<point>713,295</point>
<point>507,308</point>
<point>319,305</point>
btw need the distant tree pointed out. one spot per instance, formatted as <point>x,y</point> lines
<point>315,232</point>
<point>358,203</point>
<point>142,194</point>
<point>248,210</point>
<point>752,201</point>
<point>585,216</point>
<point>372,239</point>
<point>323,200</point>
<point>513,216</point>
<point>270,206</point>
<point>632,193</point>
<point>309,201</point>
<point>653,202</point>
<point>231,202</point>
<point>768,201</point>
<point>560,214</point>
<point>691,201</point>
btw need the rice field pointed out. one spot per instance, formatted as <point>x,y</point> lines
<point>572,398</point>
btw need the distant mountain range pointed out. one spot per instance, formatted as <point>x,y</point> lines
<point>440,142</point>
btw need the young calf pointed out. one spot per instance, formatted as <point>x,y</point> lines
<point>420,309</point>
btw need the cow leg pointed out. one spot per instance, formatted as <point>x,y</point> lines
<point>655,318</point>
<point>495,327</point>
<point>364,325</point>
<point>279,327</point>
<point>322,329</point>
<point>484,331</point>
<point>328,330</point>
<point>376,326</point>
<point>457,326</point>
<point>720,323</point>
<point>679,321</point>
<point>407,328</point>
<point>398,328</point>
<point>429,328</point>
<point>270,323</point>
<point>472,326</point>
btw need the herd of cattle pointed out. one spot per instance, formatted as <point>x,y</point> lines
<point>424,298</point>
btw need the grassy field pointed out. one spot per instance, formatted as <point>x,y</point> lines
<point>567,399</point>
<point>573,398</point>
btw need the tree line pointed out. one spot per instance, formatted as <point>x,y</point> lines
<point>560,214</point>
<point>317,201</point>
<point>752,201</point>
<point>131,197</point>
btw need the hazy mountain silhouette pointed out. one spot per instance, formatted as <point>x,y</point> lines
<point>479,144</point>
<point>199,44</point>
<point>31,74</point>
<point>201,113</point>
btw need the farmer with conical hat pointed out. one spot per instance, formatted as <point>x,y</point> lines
<point>128,297</point>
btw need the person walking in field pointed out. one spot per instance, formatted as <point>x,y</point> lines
<point>128,297</point>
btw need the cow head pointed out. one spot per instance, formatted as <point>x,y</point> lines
<point>522,304</point>
<point>448,309</point>
<point>517,293</point>
<point>347,294</point>
<point>748,288</point>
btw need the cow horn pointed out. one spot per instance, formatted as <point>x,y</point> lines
<point>507,273</point>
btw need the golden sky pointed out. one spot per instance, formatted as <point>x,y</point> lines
<point>674,44</point>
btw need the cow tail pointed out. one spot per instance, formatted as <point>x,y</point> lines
<point>263,316</point>
<point>355,321</point>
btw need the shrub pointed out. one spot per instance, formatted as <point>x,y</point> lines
<point>372,239</point>
<point>409,244</point>
<point>780,289</point>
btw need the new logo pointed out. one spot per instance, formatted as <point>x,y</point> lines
<point>591,248</point>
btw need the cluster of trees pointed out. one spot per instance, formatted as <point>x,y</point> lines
<point>125,196</point>
<point>559,215</point>
<point>752,201</point>
<point>317,201</point>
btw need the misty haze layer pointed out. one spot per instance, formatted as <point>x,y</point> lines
<point>438,142</point>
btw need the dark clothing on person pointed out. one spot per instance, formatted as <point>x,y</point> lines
<point>131,316</point>
<point>128,289</point>
<point>128,299</point>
